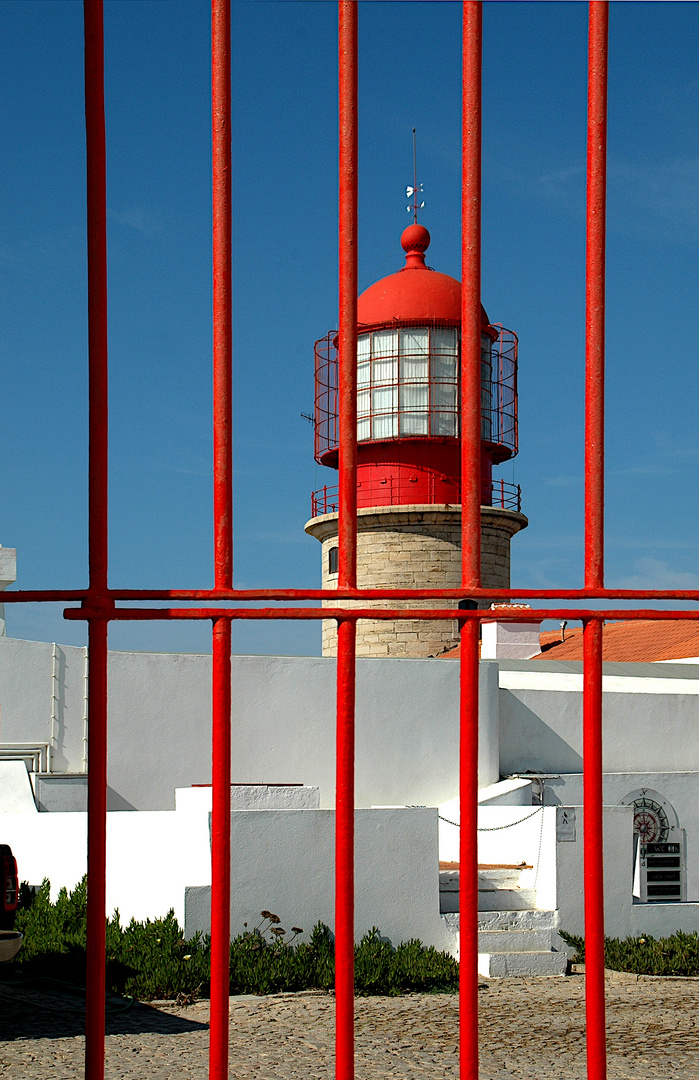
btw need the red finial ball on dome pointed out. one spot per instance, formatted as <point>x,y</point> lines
<point>415,238</point>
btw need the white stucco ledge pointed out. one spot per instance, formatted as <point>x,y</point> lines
<point>8,566</point>
<point>251,797</point>
<point>16,794</point>
<point>514,791</point>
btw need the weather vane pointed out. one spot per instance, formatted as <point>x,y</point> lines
<point>416,190</point>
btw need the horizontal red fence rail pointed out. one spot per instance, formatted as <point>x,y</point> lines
<point>253,595</point>
<point>517,616</point>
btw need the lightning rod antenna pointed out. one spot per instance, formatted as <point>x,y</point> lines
<point>415,174</point>
<point>416,189</point>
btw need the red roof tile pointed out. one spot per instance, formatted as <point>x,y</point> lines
<point>623,642</point>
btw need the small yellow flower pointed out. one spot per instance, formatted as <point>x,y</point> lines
<point>187,957</point>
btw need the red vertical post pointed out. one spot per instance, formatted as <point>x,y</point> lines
<point>471,296</point>
<point>222,277</point>
<point>470,530</point>
<point>98,534</point>
<point>593,851</point>
<point>347,540</point>
<point>344,852</point>
<point>347,337</point>
<point>595,292</point>
<point>220,850</point>
<point>223,536</point>
<point>594,535</point>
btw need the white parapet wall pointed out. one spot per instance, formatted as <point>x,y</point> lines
<point>283,861</point>
<point>151,856</point>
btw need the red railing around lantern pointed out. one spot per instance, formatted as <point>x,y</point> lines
<point>505,496</point>
<point>499,425</point>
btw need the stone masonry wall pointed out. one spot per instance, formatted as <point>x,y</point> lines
<point>413,548</point>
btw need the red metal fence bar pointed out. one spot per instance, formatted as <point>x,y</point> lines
<point>220,848</point>
<point>223,537</point>
<point>98,536</point>
<point>594,535</point>
<point>445,614</point>
<point>593,850</point>
<point>595,292</point>
<point>470,530</point>
<point>244,595</point>
<point>347,540</point>
<point>347,337</point>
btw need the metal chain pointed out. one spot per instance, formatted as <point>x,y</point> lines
<point>495,828</point>
<point>541,830</point>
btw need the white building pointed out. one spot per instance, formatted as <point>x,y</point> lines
<point>407,738</point>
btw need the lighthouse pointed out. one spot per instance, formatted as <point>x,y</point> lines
<point>408,452</point>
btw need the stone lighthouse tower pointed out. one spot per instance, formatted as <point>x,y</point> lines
<point>408,470</point>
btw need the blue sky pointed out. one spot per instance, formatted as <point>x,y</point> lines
<point>285,294</point>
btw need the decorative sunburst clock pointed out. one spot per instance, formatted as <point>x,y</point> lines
<point>649,821</point>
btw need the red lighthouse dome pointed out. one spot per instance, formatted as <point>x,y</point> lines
<point>423,296</point>
<point>408,378</point>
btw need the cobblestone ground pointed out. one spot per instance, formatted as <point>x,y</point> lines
<point>529,1027</point>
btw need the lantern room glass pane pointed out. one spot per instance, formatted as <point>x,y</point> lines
<point>444,423</point>
<point>385,426</point>
<point>486,387</point>
<point>414,395</point>
<point>363,403</point>
<point>385,343</point>
<point>384,370</point>
<point>444,340</point>
<point>444,367</point>
<point>415,341</point>
<point>415,368</point>
<point>414,423</point>
<point>383,399</point>
<point>407,383</point>
<point>444,396</point>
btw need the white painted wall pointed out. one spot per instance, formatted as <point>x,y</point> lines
<point>516,641</point>
<point>283,861</point>
<point>618,874</point>
<point>26,688</point>
<point>283,722</point>
<point>16,794</point>
<point>650,720</point>
<point>680,789</point>
<point>622,917</point>
<point>151,856</point>
<point>8,574</point>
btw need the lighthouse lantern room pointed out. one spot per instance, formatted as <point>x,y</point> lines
<point>408,453</point>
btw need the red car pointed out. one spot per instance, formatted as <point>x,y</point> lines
<point>10,939</point>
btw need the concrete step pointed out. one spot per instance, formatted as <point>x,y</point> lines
<point>516,943</point>
<point>521,964</point>
<point>511,941</point>
<point>517,920</point>
<point>498,890</point>
<point>500,878</point>
<point>507,900</point>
